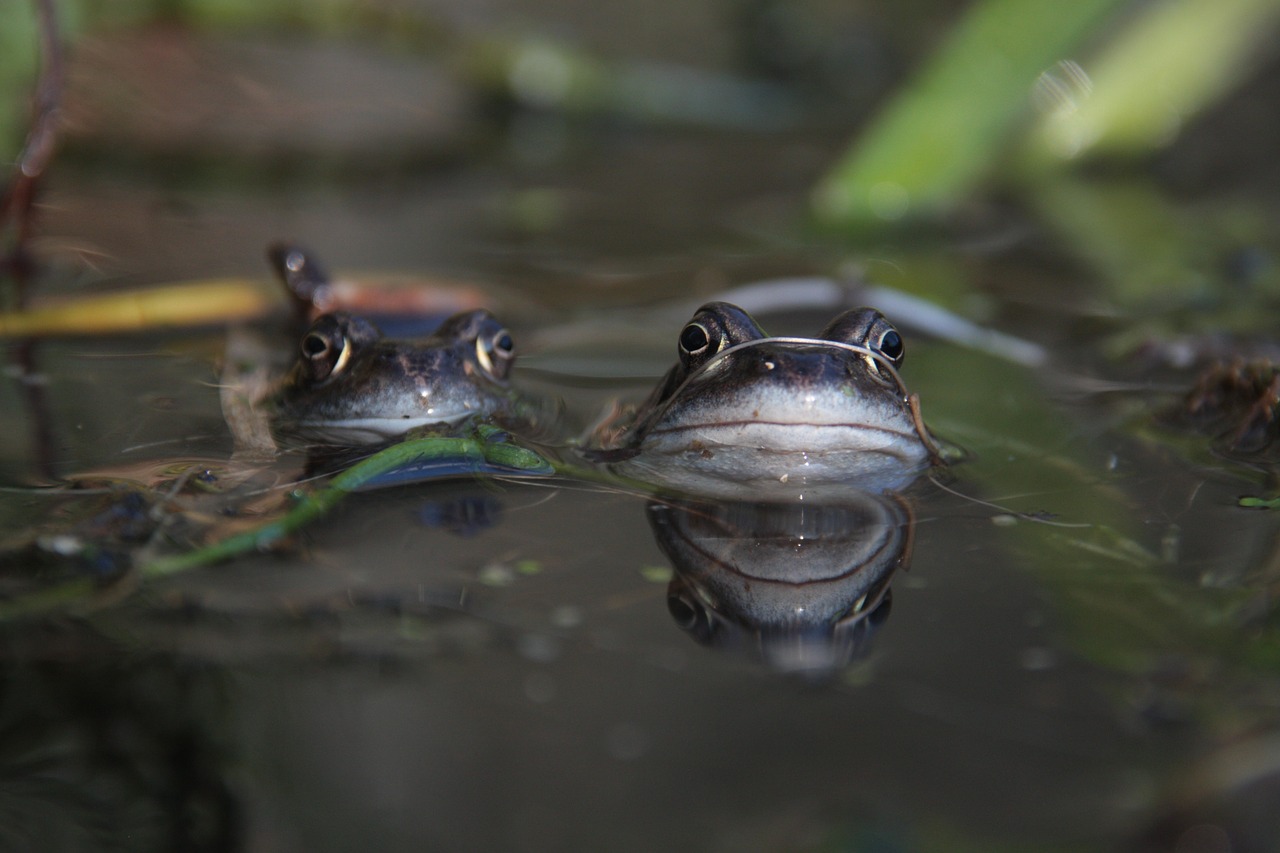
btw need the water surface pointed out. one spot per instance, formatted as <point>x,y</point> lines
<point>495,665</point>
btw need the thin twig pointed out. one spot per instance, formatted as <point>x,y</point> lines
<point>18,200</point>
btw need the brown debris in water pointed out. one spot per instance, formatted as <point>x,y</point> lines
<point>1235,402</point>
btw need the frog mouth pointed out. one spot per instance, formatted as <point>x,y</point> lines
<point>779,438</point>
<point>372,430</point>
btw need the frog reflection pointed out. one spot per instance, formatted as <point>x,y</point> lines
<point>741,411</point>
<point>802,586</point>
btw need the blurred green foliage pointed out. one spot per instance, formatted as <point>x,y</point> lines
<point>956,124</point>
<point>945,131</point>
<point>1170,63</point>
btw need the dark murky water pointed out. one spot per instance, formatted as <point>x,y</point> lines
<point>496,665</point>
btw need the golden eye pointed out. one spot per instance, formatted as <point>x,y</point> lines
<point>324,356</point>
<point>495,353</point>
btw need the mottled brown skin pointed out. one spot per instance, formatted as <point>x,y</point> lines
<point>351,385</point>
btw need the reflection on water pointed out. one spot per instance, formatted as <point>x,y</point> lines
<point>803,586</point>
<point>467,515</point>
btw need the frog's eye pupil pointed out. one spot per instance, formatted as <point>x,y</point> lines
<point>324,355</point>
<point>694,339</point>
<point>891,345</point>
<point>504,343</point>
<point>314,345</point>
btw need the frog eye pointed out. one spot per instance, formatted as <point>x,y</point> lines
<point>690,613</point>
<point>884,339</point>
<point>324,352</point>
<point>890,345</point>
<point>714,328</point>
<point>694,339</point>
<point>496,352</point>
<point>867,327</point>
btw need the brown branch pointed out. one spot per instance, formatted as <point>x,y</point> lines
<point>18,200</point>
<point>16,206</point>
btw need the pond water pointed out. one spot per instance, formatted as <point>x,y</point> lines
<point>1075,652</point>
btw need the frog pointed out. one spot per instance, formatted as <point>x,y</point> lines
<point>350,385</point>
<point>741,410</point>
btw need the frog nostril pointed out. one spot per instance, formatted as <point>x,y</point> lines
<point>764,362</point>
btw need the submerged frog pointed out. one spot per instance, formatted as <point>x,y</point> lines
<point>743,409</point>
<point>352,386</point>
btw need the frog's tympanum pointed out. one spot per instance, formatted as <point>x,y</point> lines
<point>352,386</point>
<point>802,586</point>
<point>741,409</point>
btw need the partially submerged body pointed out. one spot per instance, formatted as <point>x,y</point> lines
<point>741,410</point>
<point>350,385</point>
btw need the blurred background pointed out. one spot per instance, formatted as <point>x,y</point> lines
<point>1097,177</point>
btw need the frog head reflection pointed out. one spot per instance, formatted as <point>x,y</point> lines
<point>800,586</point>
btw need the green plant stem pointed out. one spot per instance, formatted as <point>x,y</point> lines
<point>476,450</point>
<point>484,450</point>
